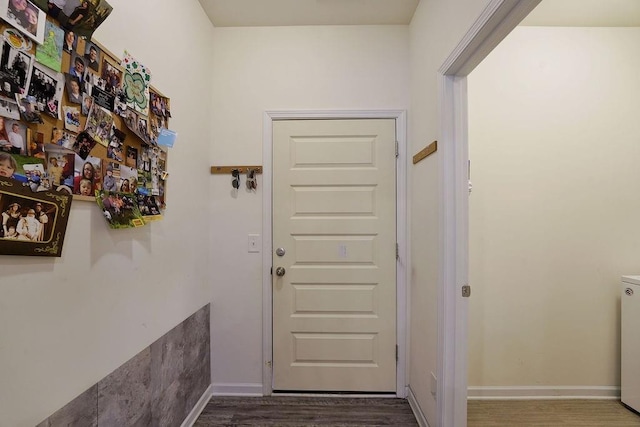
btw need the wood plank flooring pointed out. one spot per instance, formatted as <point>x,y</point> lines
<point>549,413</point>
<point>285,411</point>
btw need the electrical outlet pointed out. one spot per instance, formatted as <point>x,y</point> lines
<point>254,243</point>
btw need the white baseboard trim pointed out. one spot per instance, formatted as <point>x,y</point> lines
<point>237,389</point>
<point>543,392</point>
<point>417,411</point>
<point>197,410</point>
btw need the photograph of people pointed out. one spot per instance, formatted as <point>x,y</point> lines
<point>4,136</point>
<point>16,11</point>
<point>81,16</point>
<point>88,173</point>
<point>8,165</point>
<point>109,181</point>
<point>77,68</point>
<point>85,187</point>
<point>31,217</point>
<point>16,139</point>
<point>28,227</point>
<point>31,12</point>
<point>79,13</point>
<point>99,123</point>
<point>46,86</point>
<point>83,145</point>
<point>70,41</point>
<point>43,219</point>
<point>132,156</point>
<point>87,102</point>
<point>73,89</point>
<point>55,7</point>
<point>15,67</point>
<point>26,17</point>
<point>60,167</point>
<point>92,56</point>
<point>125,186</point>
<point>111,76</point>
<point>128,179</point>
<point>71,118</point>
<point>10,218</point>
<point>9,108</point>
<point>55,171</point>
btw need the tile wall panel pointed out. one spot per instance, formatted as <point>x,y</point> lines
<point>157,387</point>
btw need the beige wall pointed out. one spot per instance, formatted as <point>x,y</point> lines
<point>67,322</point>
<point>554,146</point>
<point>437,27</point>
<point>277,68</point>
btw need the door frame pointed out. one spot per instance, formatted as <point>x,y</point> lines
<point>496,21</point>
<point>402,264</point>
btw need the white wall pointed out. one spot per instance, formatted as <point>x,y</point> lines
<point>437,27</point>
<point>65,323</point>
<point>554,145</point>
<point>277,68</point>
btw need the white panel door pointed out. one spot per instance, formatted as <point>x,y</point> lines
<point>334,214</point>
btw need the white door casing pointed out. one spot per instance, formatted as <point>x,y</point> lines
<point>334,208</point>
<point>496,21</point>
<point>403,264</point>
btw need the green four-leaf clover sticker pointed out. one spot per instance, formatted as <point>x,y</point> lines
<point>135,88</point>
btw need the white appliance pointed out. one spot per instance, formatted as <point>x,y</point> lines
<point>630,342</point>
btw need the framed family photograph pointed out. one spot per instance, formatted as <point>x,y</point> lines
<point>33,224</point>
<point>25,16</point>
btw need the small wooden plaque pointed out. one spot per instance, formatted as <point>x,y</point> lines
<point>229,169</point>
<point>426,152</point>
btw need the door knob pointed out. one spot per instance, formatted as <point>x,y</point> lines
<point>280,271</point>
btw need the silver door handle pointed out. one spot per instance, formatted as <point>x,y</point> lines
<point>280,271</point>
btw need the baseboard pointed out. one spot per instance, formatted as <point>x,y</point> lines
<point>237,389</point>
<point>543,392</point>
<point>198,408</point>
<point>417,411</point>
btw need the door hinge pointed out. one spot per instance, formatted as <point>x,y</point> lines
<point>397,149</point>
<point>396,354</point>
<point>466,291</point>
<point>271,272</point>
<point>397,252</point>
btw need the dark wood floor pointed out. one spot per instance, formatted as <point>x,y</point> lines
<point>285,411</point>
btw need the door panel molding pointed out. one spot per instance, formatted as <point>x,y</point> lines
<point>402,209</point>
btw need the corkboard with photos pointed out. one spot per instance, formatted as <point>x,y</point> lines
<point>67,121</point>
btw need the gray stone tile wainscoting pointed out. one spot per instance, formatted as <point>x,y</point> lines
<point>157,387</point>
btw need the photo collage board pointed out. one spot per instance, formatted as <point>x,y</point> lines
<point>76,120</point>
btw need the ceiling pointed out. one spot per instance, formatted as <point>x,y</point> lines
<point>585,13</point>
<point>251,13</point>
<point>254,13</point>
